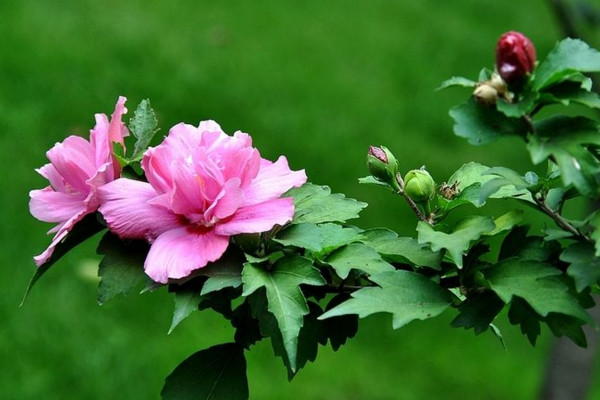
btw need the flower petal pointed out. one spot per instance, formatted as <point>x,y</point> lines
<point>126,207</point>
<point>74,160</point>
<point>63,230</point>
<point>258,218</point>
<point>272,181</point>
<point>227,202</point>
<point>50,206</point>
<point>117,129</point>
<point>178,252</point>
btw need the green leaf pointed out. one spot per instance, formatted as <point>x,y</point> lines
<point>316,204</point>
<point>216,373</point>
<point>595,235</point>
<point>321,239</point>
<point>226,272</point>
<point>122,267</point>
<point>584,266</point>
<point>186,301</point>
<point>568,58</point>
<point>564,139</point>
<point>502,177</point>
<point>506,221</point>
<point>312,333</point>
<point>480,124</point>
<point>564,325</point>
<point>286,301</point>
<point>567,94</point>
<point>82,231</point>
<point>474,173</point>
<point>457,81</point>
<point>458,241</point>
<point>340,329</point>
<point>520,313</point>
<point>143,125</point>
<point>357,256</point>
<point>401,249</point>
<point>406,295</point>
<point>370,180</point>
<point>478,312</point>
<point>520,108</point>
<point>537,283</point>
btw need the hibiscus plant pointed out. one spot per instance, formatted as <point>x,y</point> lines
<point>203,215</point>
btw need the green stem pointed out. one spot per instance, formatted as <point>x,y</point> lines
<point>413,206</point>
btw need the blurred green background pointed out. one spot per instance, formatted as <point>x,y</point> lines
<point>318,81</point>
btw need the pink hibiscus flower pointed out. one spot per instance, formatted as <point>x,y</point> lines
<point>76,170</point>
<point>203,187</point>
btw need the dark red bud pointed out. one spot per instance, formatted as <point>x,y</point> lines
<point>378,153</point>
<point>515,57</point>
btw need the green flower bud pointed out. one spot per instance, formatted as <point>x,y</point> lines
<point>382,164</point>
<point>419,185</point>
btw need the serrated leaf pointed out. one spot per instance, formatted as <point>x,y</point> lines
<point>520,313</point>
<point>143,125</point>
<point>569,57</point>
<point>567,94</point>
<point>82,231</point>
<point>401,249</point>
<point>216,373</point>
<point>480,124</point>
<point>478,312</point>
<point>565,325</point>
<point>595,235</point>
<point>408,296</point>
<point>584,266</point>
<point>122,267</point>
<point>520,108</point>
<point>537,283</point>
<point>357,256</point>
<point>502,177</point>
<point>321,239</point>
<point>224,273</point>
<point>340,329</point>
<point>186,302</point>
<point>312,333</point>
<point>474,173</point>
<point>458,241</point>
<point>506,222</point>
<point>457,81</point>
<point>316,204</point>
<point>286,301</point>
<point>565,139</point>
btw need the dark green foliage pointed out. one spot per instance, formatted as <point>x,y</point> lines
<point>218,372</point>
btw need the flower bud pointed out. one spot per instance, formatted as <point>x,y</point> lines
<point>515,57</point>
<point>419,185</point>
<point>486,94</point>
<point>382,164</point>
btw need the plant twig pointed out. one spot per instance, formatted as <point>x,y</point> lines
<point>560,221</point>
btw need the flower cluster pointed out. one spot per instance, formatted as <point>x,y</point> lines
<point>203,186</point>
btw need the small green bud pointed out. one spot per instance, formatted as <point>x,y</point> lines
<point>382,164</point>
<point>419,185</point>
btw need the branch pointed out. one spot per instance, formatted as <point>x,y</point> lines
<point>560,221</point>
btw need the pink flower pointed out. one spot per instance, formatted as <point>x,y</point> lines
<point>76,170</point>
<point>204,186</point>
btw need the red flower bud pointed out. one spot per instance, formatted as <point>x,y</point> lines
<point>515,57</point>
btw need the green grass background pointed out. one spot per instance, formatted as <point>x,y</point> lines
<point>318,81</point>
